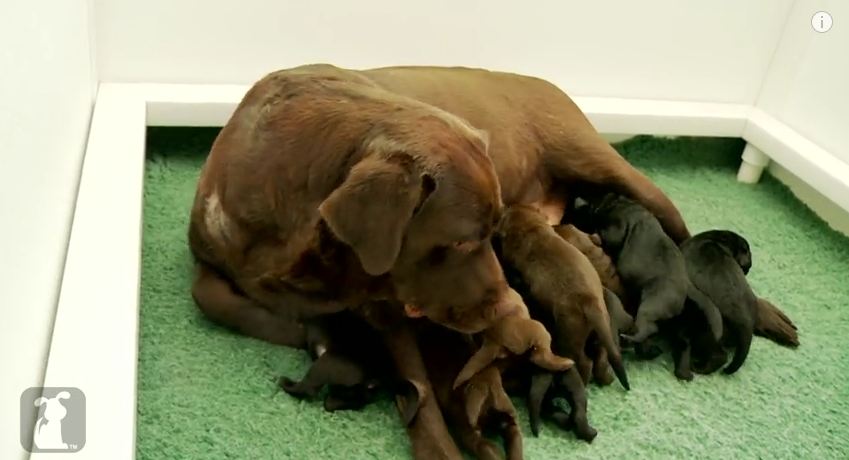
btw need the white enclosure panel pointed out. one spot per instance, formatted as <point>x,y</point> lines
<point>807,86</point>
<point>46,94</point>
<point>694,50</point>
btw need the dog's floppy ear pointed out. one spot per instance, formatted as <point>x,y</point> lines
<point>38,402</point>
<point>63,395</point>
<point>371,209</point>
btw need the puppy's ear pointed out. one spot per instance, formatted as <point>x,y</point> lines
<point>371,209</point>
<point>38,402</point>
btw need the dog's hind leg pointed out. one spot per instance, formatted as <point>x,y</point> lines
<point>217,299</point>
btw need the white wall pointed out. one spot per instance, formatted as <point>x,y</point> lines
<point>46,93</point>
<point>806,86</point>
<point>664,49</point>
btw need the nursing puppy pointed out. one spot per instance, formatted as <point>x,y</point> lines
<point>350,358</point>
<point>564,285</point>
<point>514,335</point>
<point>717,264</point>
<point>590,246</point>
<point>615,296</point>
<point>481,405</point>
<point>649,263</point>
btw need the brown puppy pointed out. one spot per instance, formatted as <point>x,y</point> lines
<point>590,246</point>
<point>514,335</point>
<point>481,405</point>
<point>615,296</point>
<point>565,287</point>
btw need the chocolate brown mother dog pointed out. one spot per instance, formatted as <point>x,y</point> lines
<point>329,188</point>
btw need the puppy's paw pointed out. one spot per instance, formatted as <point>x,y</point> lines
<point>293,388</point>
<point>585,433</point>
<point>684,375</point>
<point>287,384</point>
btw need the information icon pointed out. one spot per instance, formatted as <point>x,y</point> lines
<point>822,21</point>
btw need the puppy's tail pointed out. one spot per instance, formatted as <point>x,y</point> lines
<point>711,312</point>
<point>743,337</point>
<point>601,324</point>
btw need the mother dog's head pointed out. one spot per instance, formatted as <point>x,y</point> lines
<point>421,206</point>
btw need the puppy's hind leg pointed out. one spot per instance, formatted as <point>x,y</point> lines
<point>540,384</point>
<point>708,308</point>
<point>656,304</point>
<point>576,396</point>
<point>681,357</point>
<point>601,367</point>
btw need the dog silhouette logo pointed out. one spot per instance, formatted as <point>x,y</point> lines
<point>52,419</point>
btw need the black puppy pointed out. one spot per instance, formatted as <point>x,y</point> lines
<point>349,357</point>
<point>649,263</point>
<point>717,263</point>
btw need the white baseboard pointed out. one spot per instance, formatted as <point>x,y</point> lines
<point>835,216</point>
<point>95,340</point>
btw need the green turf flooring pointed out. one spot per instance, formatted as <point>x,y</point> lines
<point>206,393</point>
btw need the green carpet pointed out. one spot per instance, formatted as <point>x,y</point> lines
<point>207,393</point>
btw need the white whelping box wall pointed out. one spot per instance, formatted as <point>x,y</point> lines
<point>716,51</point>
<point>47,89</point>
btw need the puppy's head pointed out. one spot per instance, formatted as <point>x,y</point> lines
<point>735,244</point>
<point>421,207</point>
<point>587,212</point>
<point>610,215</point>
